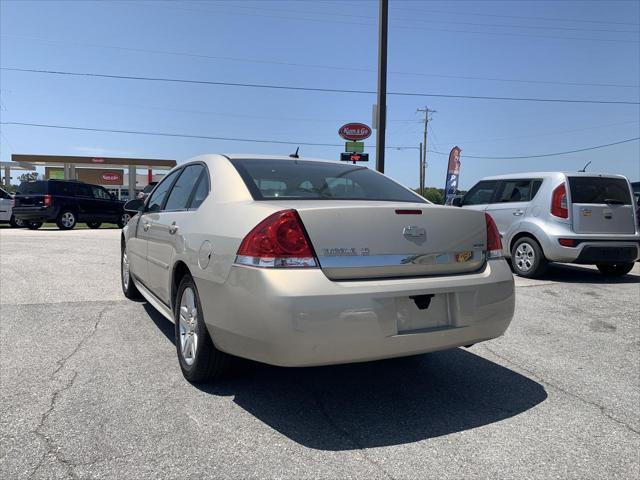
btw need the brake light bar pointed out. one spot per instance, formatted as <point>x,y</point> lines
<point>408,212</point>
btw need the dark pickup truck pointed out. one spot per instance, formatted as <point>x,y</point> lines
<point>67,202</point>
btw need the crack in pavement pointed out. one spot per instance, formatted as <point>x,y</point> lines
<point>602,409</point>
<point>315,395</point>
<point>51,449</point>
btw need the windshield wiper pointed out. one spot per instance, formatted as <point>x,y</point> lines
<point>613,201</point>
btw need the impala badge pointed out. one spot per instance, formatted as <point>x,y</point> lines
<point>414,232</point>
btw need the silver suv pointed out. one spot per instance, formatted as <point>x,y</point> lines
<point>583,218</point>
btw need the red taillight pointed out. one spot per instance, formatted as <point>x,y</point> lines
<point>559,202</point>
<point>567,242</point>
<point>278,241</point>
<point>48,201</point>
<point>494,243</point>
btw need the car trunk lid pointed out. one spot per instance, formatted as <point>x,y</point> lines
<point>601,205</point>
<point>383,239</point>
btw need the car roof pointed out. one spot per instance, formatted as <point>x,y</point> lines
<point>550,175</point>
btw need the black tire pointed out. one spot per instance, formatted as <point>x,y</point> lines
<point>527,258</point>
<point>207,363</point>
<point>615,270</point>
<point>15,223</point>
<point>128,287</point>
<point>123,220</point>
<point>67,220</point>
<point>94,224</point>
<point>33,225</point>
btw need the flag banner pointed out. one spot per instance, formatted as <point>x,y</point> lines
<point>453,174</point>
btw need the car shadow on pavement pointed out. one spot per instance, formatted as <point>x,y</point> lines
<point>374,404</point>
<point>560,272</point>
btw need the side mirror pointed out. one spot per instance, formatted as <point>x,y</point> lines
<point>457,202</point>
<point>134,206</point>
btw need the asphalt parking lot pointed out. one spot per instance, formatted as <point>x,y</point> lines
<point>91,388</point>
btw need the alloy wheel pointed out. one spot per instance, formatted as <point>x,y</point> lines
<point>68,219</point>
<point>188,323</point>
<point>125,270</point>
<point>525,257</point>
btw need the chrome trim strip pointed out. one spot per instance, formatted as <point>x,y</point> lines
<point>155,302</point>
<point>407,259</point>
<point>158,263</point>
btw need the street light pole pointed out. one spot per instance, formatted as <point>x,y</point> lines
<point>382,83</point>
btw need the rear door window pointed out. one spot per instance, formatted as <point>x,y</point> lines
<point>64,189</point>
<point>514,191</point>
<point>481,193</point>
<point>83,190</point>
<point>201,191</point>
<point>182,189</point>
<point>599,190</point>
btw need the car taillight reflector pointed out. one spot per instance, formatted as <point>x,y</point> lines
<point>48,200</point>
<point>279,241</point>
<point>567,242</point>
<point>494,243</point>
<point>559,202</point>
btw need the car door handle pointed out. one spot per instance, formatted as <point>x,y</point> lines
<point>173,228</point>
<point>517,213</point>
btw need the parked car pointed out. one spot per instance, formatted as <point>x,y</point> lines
<point>6,209</point>
<point>67,202</point>
<point>295,263</point>
<point>582,218</point>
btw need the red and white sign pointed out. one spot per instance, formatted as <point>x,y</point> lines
<point>110,177</point>
<point>97,160</point>
<point>354,131</point>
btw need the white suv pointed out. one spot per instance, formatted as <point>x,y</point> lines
<point>583,218</point>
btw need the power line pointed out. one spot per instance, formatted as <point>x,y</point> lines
<point>284,142</point>
<point>474,14</point>
<point>315,89</point>
<point>400,27</point>
<point>555,154</point>
<point>308,65</point>
<point>414,19</point>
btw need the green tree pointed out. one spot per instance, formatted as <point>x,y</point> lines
<point>434,195</point>
<point>28,177</point>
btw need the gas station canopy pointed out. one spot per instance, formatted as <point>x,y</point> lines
<point>69,163</point>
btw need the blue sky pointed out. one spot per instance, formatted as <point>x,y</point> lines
<point>556,49</point>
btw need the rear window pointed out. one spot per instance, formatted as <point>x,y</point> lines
<point>38,187</point>
<point>304,180</point>
<point>599,190</point>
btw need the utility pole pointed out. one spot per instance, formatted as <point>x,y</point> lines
<point>421,172</point>
<point>423,163</point>
<point>382,83</point>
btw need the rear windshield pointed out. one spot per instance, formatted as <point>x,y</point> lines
<point>33,188</point>
<point>304,180</point>
<point>599,190</point>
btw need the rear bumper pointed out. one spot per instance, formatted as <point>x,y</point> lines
<point>301,318</point>
<point>593,250</point>
<point>34,214</point>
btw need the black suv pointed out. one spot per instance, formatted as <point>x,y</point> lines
<point>67,202</point>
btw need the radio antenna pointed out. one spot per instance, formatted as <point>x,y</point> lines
<point>584,169</point>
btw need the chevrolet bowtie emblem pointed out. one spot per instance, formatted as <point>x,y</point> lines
<point>413,231</point>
